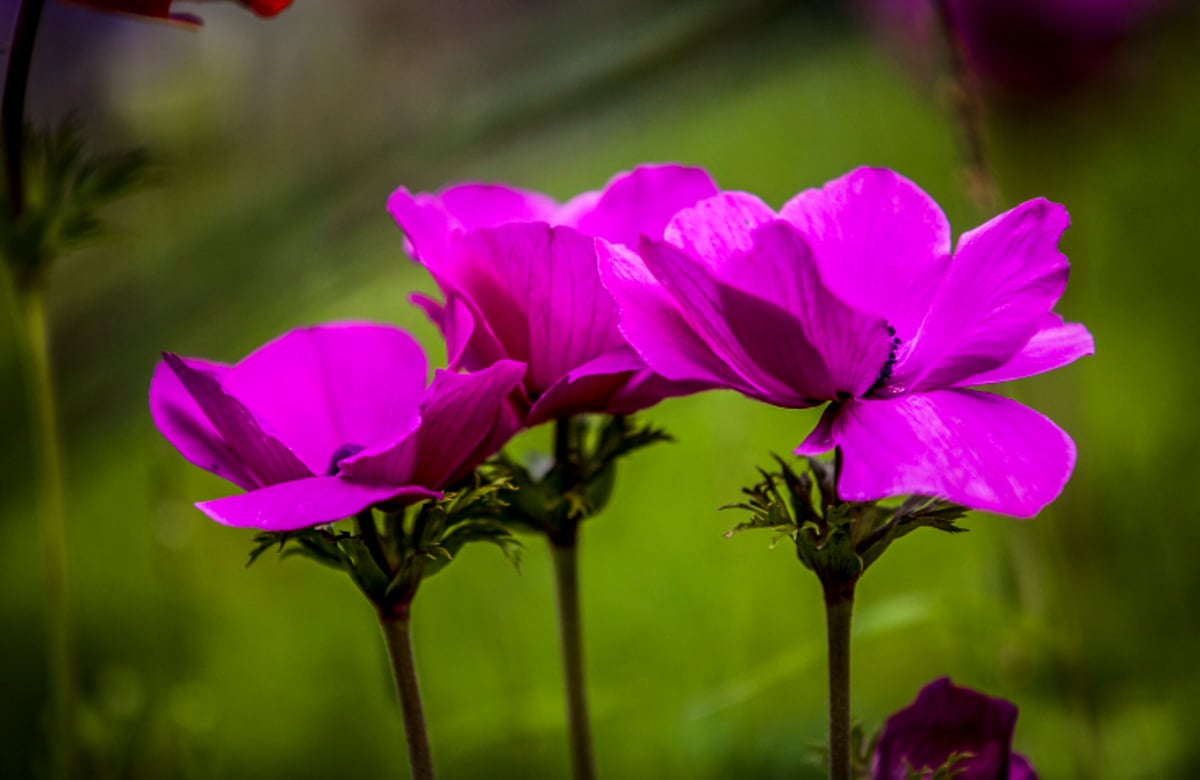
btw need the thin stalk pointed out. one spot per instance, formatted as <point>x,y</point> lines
<point>397,635</point>
<point>44,416</point>
<point>566,576</point>
<point>968,112</point>
<point>839,608</point>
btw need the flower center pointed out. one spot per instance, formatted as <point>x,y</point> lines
<point>342,452</point>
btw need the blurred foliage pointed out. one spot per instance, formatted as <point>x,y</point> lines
<point>66,187</point>
<point>281,141</point>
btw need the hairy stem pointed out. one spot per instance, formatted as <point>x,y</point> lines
<point>839,608</point>
<point>397,634</point>
<point>566,574</point>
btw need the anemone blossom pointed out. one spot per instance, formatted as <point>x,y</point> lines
<point>851,294</point>
<point>520,279</point>
<point>324,422</point>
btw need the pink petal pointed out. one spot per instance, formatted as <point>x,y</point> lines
<point>487,205</point>
<point>538,288</point>
<point>881,243</point>
<point>429,221</point>
<point>854,347</point>
<point>640,203</point>
<point>717,228</point>
<point>655,325</point>
<point>261,455</point>
<point>800,345</point>
<point>180,419</point>
<point>322,388</point>
<point>1005,277</point>
<point>426,224</point>
<point>302,503</point>
<point>460,412</point>
<point>1055,344</point>
<point>976,449</point>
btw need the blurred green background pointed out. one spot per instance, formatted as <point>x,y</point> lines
<point>279,142</point>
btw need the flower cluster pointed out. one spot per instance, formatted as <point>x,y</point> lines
<point>661,285</point>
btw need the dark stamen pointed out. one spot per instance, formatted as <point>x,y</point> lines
<point>889,366</point>
<point>343,452</point>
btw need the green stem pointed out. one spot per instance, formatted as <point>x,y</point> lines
<point>398,637</point>
<point>566,575</point>
<point>43,412</point>
<point>839,608</point>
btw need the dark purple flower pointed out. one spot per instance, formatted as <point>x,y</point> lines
<point>946,720</point>
<point>325,421</point>
<point>1028,47</point>
<point>519,275</point>
<point>851,295</point>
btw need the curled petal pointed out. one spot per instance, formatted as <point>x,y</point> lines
<point>426,224</point>
<point>882,244</point>
<point>538,288</point>
<point>1055,344</point>
<point>460,412</point>
<point>181,420</point>
<point>617,382</point>
<point>260,454</point>
<point>799,346</point>
<point>638,203</point>
<point>976,449</point>
<point>322,388</point>
<point>289,506</point>
<point>1005,277</point>
<point>655,326</point>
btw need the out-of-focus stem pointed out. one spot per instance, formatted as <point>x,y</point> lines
<point>968,112</point>
<point>12,113</point>
<point>52,511</point>
<point>397,634</point>
<point>839,609</point>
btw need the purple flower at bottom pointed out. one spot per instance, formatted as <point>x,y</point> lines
<point>851,294</point>
<point>324,422</point>
<point>520,279</point>
<point>946,720</point>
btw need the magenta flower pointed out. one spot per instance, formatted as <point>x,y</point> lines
<point>851,295</point>
<point>324,422</point>
<point>946,720</point>
<point>519,274</point>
